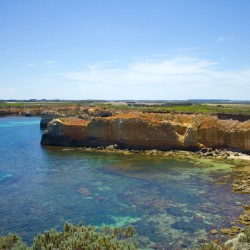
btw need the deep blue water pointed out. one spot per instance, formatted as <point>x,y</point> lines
<point>171,203</point>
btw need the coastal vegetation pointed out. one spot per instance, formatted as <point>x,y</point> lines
<point>241,242</point>
<point>174,107</point>
<point>194,108</point>
<point>77,237</point>
<point>81,237</point>
<point>182,125</point>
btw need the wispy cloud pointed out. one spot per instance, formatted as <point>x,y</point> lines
<point>50,62</point>
<point>155,77</point>
<point>153,70</point>
<point>31,65</point>
<point>179,69</point>
<point>179,76</point>
<point>223,39</point>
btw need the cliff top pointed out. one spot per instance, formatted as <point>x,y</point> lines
<point>202,121</point>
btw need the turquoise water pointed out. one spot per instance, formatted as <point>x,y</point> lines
<point>172,204</point>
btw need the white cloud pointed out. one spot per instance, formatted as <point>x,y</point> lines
<point>157,77</point>
<point>160,78</point>
<point>149,71</point>
<point>50,62</point>
<point>30,65</point>
<point>181,70</point>
<point>177,65</point>
<point>223,39</point>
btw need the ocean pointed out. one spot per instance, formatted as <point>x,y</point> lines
<point>173,204</point>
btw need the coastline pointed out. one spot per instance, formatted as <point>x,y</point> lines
<point>240,160</point>
<point>239,165</point>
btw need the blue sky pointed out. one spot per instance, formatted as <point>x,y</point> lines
<point>125,49</point>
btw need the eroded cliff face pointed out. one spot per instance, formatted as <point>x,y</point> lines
<point>150,131</point>
<point>217,133</point>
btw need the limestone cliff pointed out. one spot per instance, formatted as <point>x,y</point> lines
<point>150,131</point>
<point>48,116</point>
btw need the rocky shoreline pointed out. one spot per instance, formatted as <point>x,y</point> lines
<point>225,141</point>
<point>186,137</point>
<point>240,179</point>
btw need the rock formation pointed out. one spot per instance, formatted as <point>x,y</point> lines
<point>48,116</point>
<point>150,131</point>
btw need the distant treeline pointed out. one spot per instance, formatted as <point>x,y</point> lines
<point>136,102</point>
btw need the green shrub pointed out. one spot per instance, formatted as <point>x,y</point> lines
<point>213,246</point>
<point>246,237</point>
<point>209,246</point>
<point>77,237</point>
<point>12,242</point>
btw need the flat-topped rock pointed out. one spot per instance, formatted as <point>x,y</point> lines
<point>151,131</point>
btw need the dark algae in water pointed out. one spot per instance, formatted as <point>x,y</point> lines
<point>172,204</point>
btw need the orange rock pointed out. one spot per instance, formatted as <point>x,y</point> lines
<point>150,131</point>
<point>213,231</point>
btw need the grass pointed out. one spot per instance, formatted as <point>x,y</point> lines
<point>240,109</point>
<point>194,108</point>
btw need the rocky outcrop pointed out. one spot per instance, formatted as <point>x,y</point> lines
<point>216,133</point>
<point>238,117</point>
<point>35,111</point>
<point>150,131</point>
<point>97,112</point>
<point>48,116</point>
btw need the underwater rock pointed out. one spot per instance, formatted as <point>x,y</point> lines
<point>244,219</point>
<point>101,198</point>
<point>194,225</point>
<point>84,191</point>
<point>176,211</point>
<point>241,184</point>
<point>227,231</point>
<point>246,208</point>
<point>4,176</point>
<point>214,231</point>
<point>231,231</point>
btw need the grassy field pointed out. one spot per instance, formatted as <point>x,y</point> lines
<point>240,109</point>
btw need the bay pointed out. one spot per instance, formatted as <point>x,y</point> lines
<point>171,203</point>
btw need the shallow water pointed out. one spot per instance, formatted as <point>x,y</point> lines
<point>172,204</point>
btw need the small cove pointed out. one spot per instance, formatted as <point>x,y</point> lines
<point>171,203</point>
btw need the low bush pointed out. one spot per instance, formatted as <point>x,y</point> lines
<point>77,237</point>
